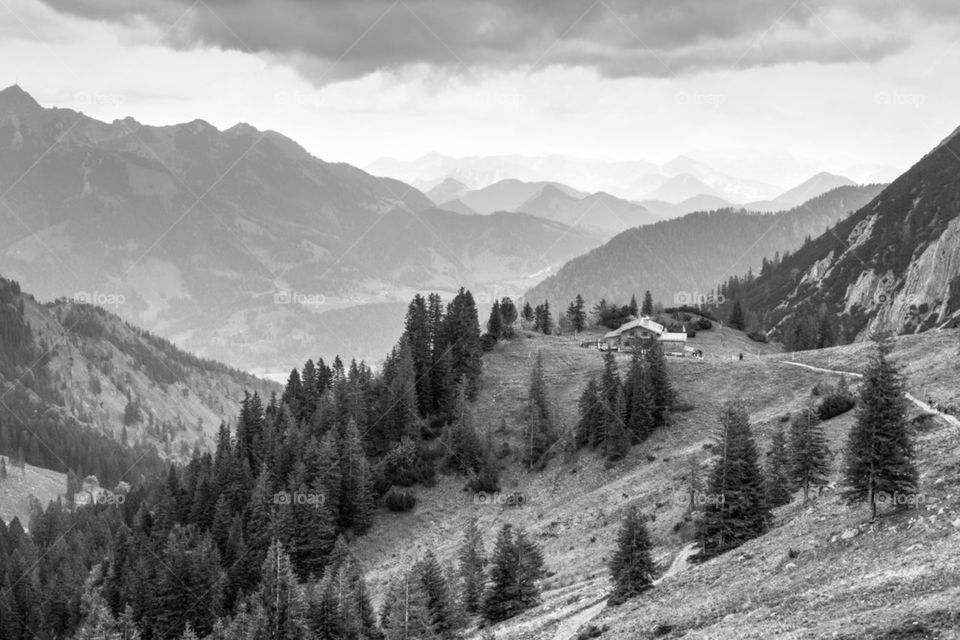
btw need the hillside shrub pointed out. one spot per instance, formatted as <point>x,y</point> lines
<point>487,342</point>
<point>758,336</point>
<point>836,401</point>
<point>400,500</point>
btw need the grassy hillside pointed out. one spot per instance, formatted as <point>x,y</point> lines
<point>821,570</point>
<point>22,487</point>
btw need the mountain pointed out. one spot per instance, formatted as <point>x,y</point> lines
<point>894,265</point>
<point>734,189</point>
<point>85,391</point>
<point>449,189</point>
<point>509,195</point>
<point>667,210</point>
<point>234,243</point>
<point>457,206</point>
<point>681,187</point>
<point>813,187</point>
<point>481,171</point>
<point>629,179</point>
<point>683,258</point>
<point>600,212</point>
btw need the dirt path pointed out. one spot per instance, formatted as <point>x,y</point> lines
<point>923,406</point>
<point>569,627</point>
<point>680,563</point>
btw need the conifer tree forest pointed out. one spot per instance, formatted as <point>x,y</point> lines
<point>250,540</point>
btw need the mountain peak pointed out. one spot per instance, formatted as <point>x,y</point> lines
<point>14,99</point>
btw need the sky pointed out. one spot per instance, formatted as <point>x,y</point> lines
<point>765,89</point>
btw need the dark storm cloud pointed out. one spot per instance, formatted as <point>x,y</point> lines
<point>334,39</point>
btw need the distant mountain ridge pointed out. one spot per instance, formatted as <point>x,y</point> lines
<point>682,258</point>
<point>235,242</point>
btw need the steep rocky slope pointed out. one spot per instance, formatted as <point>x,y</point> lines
<point>893,265</point>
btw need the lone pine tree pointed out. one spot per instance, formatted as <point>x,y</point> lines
<point>631,568</point>
<point>880,454</point>
<point>737,509</point>
<point>517,568</point>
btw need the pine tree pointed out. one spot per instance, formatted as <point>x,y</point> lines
<point>576,314</point>
<point>501,600</point>
<point>527,313</point>
<point>737,509</point>
<point>647,308</point>
<point>463,443</point>
<point>591,415</point>
<point>777,473</point>
<point>539,432</point>
<point>736,319</point>
<point>631,568</point>
<point>356,493</point>
<point>639,414</point>
<point>530,569</point>
<point>880,453</point>
<point>495,322</point>
<point>633,307</point>
<point>282,601</point>
<point>440,607</point>
<point>404,614</point>
<point>508,311</point>
<point>462,333</point>
<point>663,395</point>
<point>473,561</point>
<point>611,428</point>
<point>417,334</point>
<point>809,454</point>
<point>546,321</point>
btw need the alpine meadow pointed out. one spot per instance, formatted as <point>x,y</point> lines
<point>423,320</point>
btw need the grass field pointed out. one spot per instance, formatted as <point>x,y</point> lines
<point>844,578</point>
<point>21,488</point>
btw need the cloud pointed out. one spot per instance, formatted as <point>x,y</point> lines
<point>336,39</point>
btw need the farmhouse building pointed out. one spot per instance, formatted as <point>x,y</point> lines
<point>635,332</point>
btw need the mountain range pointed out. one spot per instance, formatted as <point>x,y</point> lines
<point>233,243</point>
<point>673,182</point>
<point>683,259</point>
<point>894,265</point>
